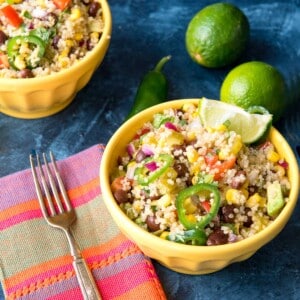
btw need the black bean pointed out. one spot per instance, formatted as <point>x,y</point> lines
<point>227,213</point>
<point>121,196</point>
<point>26,73</point>
<point>3,37</point>
<point>89,45</point>
<point>249,220</point>
<point>217,237</point>
<point>50,19</point>
<point>151,223</point>
<point>238,180</point>
<point>181,169</point>
<point>55,40</point>
<point>93,9</point>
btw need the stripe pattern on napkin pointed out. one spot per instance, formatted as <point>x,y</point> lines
<point>35,259</point>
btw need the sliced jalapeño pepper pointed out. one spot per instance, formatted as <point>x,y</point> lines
<point>30,60</point>
<point>193,190</point>
<point>192,236</point>
<point>145,176</point>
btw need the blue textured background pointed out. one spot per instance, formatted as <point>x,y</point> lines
<point>143,32</point>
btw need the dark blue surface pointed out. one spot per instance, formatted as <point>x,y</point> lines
<point>143,32</point>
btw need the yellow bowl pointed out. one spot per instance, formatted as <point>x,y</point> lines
<point>182,258</point>
<point>31,98</point>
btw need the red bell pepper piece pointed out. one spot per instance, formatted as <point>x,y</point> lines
<point>206,205</point>
<point>61,4</point>
<point>12,16</point>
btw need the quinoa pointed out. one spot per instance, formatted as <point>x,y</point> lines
<point>173,155</point>
<point>61,35</point>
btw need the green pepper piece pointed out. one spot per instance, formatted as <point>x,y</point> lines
<point>144,177</point>
<point>192,190</point>
<point>13,46</point>
<point>152,89</point>
<point>194,236</point>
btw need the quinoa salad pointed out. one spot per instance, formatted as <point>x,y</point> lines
<point>198,186</point>
<point>38,38</point>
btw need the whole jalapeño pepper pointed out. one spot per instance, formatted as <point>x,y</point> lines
<point>152,89</point>
<point>193,190</point>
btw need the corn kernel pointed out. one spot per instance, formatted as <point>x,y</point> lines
<point>223,154</point>
<point>256,200</point>
<point>192,155</point>
<point>279,170</point>
<point>191,218</point>
<point>189,206</point>
<point>188,106</point>
<point>69,43</point>
<point>42,3</point>
<point>221,128</point>
<point>94,36</point>
<point>20,62</point>
<point>273,156</point>
<point>65,52</point>
<point>75,13</point>
<point>165,200</point>
<point>259,222</point>
<point>190,136</point>
<point>63,62</point>
<point>164,235</point>
<point>209,129</point>
<point>237,145</point>
<point>245,192</point>
<point>78,36</point>
<point>234,196</point>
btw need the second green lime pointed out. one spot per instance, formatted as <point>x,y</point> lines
<point>255,83</point>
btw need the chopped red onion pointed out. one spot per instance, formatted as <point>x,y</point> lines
<point>151,166</point>
<point>232,238</point>
<point>130,149</point>
<point>171,126</point>
<point>283,164</point>
<point>147,150</point>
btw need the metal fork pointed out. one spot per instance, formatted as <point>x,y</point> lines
<point>59,213</point>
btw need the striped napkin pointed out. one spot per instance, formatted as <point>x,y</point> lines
<point>35,260</point>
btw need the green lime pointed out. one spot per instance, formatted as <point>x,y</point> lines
<point>217,35</point>
<point>255,84</point>
<point>251,127</point>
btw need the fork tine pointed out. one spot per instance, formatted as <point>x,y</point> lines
<point>60,183</point>
<point>38,186</point>
<point>53,185</point>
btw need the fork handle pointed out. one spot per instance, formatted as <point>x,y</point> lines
<point>86,281</point>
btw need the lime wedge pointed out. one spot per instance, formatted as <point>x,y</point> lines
<point>251,127</point>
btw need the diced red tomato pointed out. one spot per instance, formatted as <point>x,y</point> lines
<point>12,16</point>
<point>61,4</point>
<point>211,158</point>
<point>143,131</point>
<point>206,205</point>
<point>223,167</point>
<point>3,61</point>
<point>117,184</point>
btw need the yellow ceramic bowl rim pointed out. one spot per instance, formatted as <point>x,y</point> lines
<point>251,243</point>
<point>11,83</point>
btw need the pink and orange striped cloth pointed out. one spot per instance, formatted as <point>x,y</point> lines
<point>35,260</point>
